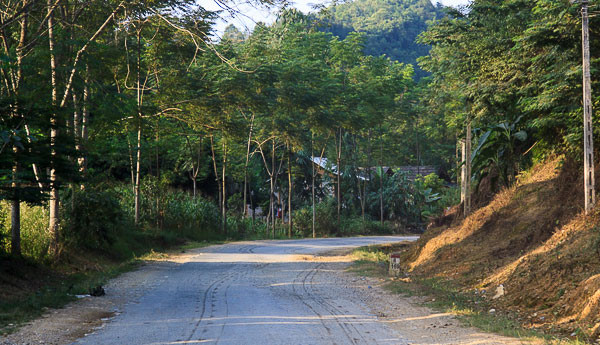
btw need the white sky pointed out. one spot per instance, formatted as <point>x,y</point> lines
<point>248,16</point>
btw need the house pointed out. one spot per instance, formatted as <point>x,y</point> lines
<point>414,171</point>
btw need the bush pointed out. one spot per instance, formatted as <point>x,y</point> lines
<point>93,219</point>
<point>196,218</point>
<point>358,226</point>
<point>450,196</point>
<point>436,195</point>
<point>239,227</point>
<point>325,219</point>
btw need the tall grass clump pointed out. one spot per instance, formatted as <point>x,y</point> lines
<point>325,219</point>
<point>193,217</point>
<point>35,239</point>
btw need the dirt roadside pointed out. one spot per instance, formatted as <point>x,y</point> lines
<point>419,324</point>
<point>76,319</point>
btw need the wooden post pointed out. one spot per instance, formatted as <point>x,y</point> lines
<point>463,171</point>
<point>465,176</point>
<point>468,170</point>
<point>588,145</point>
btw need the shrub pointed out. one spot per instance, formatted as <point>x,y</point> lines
<point>93,219</point>
<point>435,195</point>
<point>358,226</point>
<point>196,218</point>
<point>325,219</point>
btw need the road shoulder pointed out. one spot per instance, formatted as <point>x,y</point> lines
<point>407,315</point>
<point>88,314</point>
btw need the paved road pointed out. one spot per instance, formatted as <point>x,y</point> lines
<point>261,292</point>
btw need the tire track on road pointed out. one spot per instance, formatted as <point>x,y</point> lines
<point>333,310</point>
<point>320,301</point>
<point>210,290</point>
<point>212,302</point>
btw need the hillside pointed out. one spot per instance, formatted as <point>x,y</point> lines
<point>391,26</point>
<point>535,241</point>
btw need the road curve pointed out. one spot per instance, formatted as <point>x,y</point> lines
<point>259,292</point>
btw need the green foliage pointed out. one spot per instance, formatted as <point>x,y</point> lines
<point>326,222</point>
<point>510,67</point>
<point>325,219</point>
<point>196,218</point>
<point>433,182</point>
<point>93,219</point>
<point>449,197</point>
<point>35,239</point>
<point>201,122</point>
<point>354,226</point>
<point>391,27</point>
<point>499,148</point>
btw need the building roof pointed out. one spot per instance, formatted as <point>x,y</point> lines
<point>414,171</point>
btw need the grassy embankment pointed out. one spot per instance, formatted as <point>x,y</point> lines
<point>533,239</point>
<point>444,296</point>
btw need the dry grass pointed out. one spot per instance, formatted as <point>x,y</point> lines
<point>534,240</point>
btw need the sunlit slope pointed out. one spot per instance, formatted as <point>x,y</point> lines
<point>535,241</point>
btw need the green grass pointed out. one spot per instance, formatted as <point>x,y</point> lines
<point>443,296</point>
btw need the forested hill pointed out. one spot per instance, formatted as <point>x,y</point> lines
<point>391,26</point>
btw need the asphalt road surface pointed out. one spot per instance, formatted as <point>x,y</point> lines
<point>261,292</point>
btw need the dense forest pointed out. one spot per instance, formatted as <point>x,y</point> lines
<point>124,121</point>
<point>391,27</point>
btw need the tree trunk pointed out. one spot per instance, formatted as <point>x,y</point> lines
<point>214,160</point>
<point>131,164</point>
<point>368,179</point>
<point>339,194</point>
<point>253,209</point>
<point>466,172</point>
<point>289,196</point>
<point>245,212</point>
<point>273,189</point>
<point>84,125</point>
<point>73,122</point>
<point>381,180</point>
<point>15,211</point>
<point>457,158</point>
<point>194,182</point>
<point>15,227</point>
<point>54,197</point>
<point>139,130</point>
<point>138,168</point>
<point>224,208</point>
<point>312,157</point>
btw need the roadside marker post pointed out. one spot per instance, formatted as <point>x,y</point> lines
<point>395,264</point>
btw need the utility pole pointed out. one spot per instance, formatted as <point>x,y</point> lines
<point>588,139</point>
<point>465,176</point>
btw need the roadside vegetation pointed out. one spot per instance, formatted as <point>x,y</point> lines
<point>128,127</point>
<point>446,296</point>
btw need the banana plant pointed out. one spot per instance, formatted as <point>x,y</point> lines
<point>499,149</point>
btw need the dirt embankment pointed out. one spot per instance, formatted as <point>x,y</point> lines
<point>535,241</point>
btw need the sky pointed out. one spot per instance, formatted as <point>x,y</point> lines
<point>248,15</point>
